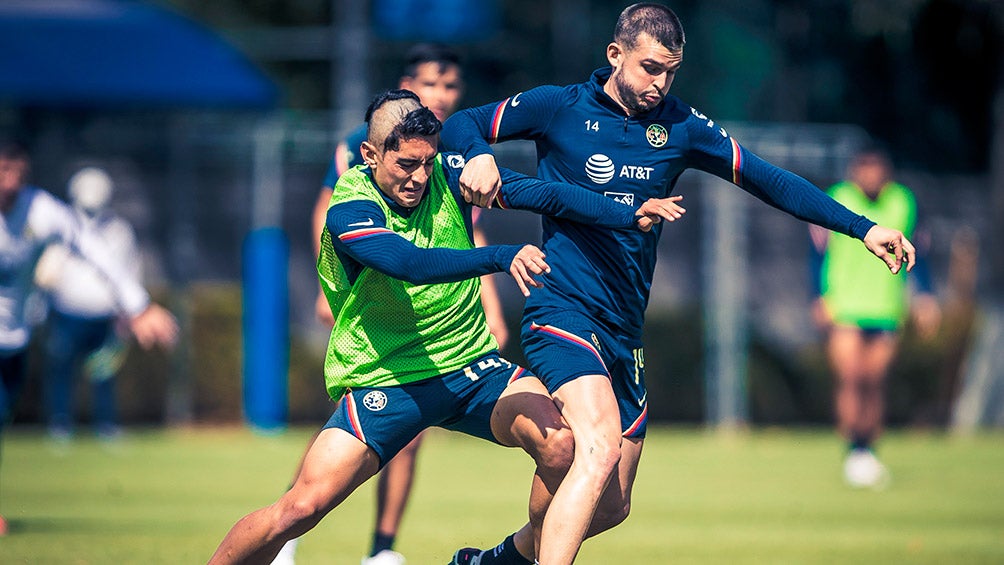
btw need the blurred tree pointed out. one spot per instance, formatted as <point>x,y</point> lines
<point>919,74</point>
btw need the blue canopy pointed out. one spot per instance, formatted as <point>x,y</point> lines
<point>86,53</point>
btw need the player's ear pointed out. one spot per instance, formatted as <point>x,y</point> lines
<point>369,154</point>
<point>615,55</point>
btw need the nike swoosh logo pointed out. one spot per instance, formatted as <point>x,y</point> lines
<point>641,401</point>
<point>368,222</point>
<point>515,102</point>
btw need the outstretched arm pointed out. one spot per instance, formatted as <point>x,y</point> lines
<point>578,204</point>
<point>377,247</point>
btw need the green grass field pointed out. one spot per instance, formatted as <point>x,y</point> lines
<point>768,496</point>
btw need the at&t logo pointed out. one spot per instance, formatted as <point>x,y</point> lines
<point>600,169</point>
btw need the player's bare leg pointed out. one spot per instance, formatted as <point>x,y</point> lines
<point>589,407</point>
<point>879,352</point>
<point>615,504</point>
<point>845,349</point>
<point>335,465</point>
<point>860,362</point>
<point>393,489</point>
<point>546,437</point>
<point>613,508</point>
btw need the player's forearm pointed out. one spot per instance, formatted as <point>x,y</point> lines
<point>396,257</point>
<point>563,201</point>
<point>466,132</point>
<point>800,198</point>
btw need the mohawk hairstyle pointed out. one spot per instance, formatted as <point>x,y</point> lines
<point>398,114</point>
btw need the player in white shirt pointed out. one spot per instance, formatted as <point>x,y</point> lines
<point>30,220</point>
<point>82,336</point>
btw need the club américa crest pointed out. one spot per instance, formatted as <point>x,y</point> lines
<point>656,135</point>
<point>375,400</point>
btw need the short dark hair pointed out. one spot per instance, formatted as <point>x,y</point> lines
<point>871,152</point>
<point>422,53</point>
<point>420,122</point>
<point>656,20</point>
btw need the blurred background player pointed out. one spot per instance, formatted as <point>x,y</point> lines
<point>83,315</point>
<point>432,72</point>
<point>863,309</point>
<point>30,220</point>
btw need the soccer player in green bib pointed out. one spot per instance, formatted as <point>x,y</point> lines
<point>410,347</point>
<point>863,309</point>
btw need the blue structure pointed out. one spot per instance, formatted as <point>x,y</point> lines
<point>72,53</point>
<point>107,55</point>
<point>266,328</point>
<point>446,21</point>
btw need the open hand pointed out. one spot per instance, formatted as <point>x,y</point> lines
<point>154,326</point>
<point>892,247</point>
<point>527,263</point>
<point>655,210</point>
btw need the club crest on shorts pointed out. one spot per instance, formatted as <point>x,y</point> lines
<point>375,400</point>
<point>656,135</point>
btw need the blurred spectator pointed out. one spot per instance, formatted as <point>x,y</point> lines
<point>863,308</point>
<point>30,220</point>
<point>83,315</point>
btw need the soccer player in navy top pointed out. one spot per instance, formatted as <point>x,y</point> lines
<point>622,135</point>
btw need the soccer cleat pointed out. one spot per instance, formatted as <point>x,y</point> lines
<point>863,470</point>
<point>385,557</point>
<point>467,556</point>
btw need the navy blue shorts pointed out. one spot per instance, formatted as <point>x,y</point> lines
<point>387,418</point>
<point>563,345</point>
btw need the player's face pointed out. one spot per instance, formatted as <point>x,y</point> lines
<point>642,75</point>
<point>438,87</point>
<point>403,175</point>
<point>871,174</point>
<point>12,173</point>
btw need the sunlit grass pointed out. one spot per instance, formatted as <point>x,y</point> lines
<point>769,496</point>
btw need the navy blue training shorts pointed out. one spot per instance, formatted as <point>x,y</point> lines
<point>387,418</point>
<point>563,345</point>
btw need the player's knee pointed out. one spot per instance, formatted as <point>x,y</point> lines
<point>599,456</point>
<point>556,455</point>
<point>609,453</point>
<point>300,513</point>
<point>609,516</point>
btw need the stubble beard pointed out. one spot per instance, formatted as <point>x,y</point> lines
<point>629,98</point>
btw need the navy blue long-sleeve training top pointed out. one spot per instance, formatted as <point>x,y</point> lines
<point>584,138</point>
<point>386,251</point>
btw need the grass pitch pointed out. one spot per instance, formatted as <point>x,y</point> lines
<point>767,496</point>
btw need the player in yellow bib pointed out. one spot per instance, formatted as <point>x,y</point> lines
<point>863,308</point>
